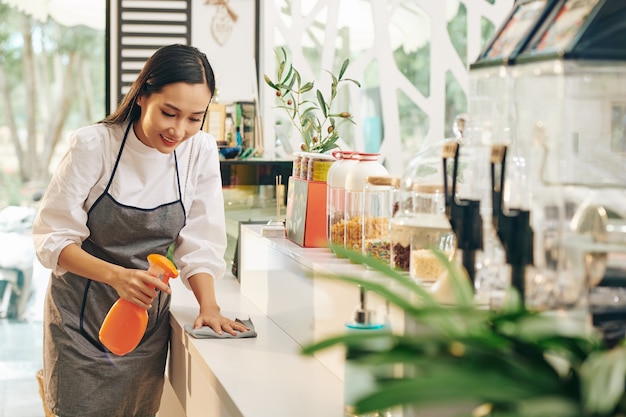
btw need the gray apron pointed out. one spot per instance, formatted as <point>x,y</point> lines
<point>83,379</point>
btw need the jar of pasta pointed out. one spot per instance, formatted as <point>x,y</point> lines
<point>378,200</point>
<point>336,180</point>
<point>367,165</point>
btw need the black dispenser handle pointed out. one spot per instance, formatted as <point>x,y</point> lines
<point>512,227</point>
<point>464,214</point>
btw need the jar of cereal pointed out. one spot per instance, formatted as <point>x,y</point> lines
<point>378,202</point>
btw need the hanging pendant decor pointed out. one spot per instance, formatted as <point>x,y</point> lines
<point>223,21</point>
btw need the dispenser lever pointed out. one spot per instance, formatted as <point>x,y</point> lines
<point>464,214</point>
<point>512,227</point>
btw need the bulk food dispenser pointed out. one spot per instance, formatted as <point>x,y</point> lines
<point>548,138</point>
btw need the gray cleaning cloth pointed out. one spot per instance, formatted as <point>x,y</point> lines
<point>205,332</point>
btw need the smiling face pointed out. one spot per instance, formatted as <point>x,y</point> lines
<point>173,115</point>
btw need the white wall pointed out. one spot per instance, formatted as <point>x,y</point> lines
<point>233,62</point>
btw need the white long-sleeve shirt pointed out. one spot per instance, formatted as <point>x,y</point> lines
<point>85,170</point>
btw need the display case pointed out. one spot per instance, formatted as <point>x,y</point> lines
<point>558,107</point>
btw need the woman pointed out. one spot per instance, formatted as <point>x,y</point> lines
<point>144,178</point>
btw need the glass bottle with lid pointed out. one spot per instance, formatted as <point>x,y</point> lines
<point>432,230</point>
<point>420,223</point>
<point>367,165</point>
<point>336,180</point>
<point>378,202</point>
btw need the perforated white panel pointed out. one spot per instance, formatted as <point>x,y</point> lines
<point>396,112</point>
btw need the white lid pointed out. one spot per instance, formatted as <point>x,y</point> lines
<point>338,171</point>
<point>355,179</point>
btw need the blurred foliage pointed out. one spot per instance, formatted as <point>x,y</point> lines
<point>52,80</point>
<point>10,189</point>
<point>506,362</point>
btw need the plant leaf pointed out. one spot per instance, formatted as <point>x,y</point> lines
<point>322,102</point>
<point>602,380</point>
<point>344,66</point>
<point>288,76</point>
<point>354,81</point>
<point>269,82</point>
<point>306,87</point>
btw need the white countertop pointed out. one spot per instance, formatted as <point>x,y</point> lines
<point>262,376</point>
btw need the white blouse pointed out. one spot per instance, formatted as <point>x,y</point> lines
<point>85,170</point>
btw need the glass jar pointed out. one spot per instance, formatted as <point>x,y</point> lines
<point>297,165</point>
<point>432,231</point>
<point>401,228</point>
<point>421,223</point>
<point>318,167</point>
<point>336,180</point>
<point>378,201</point>
<point>304,165</point>
<point>367,165</point>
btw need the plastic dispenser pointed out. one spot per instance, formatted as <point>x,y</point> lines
<point>553,101</point>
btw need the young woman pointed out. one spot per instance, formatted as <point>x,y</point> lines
<point>144,178</point>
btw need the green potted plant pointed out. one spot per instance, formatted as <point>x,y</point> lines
<point>506,362</point>
<point>313,115</point>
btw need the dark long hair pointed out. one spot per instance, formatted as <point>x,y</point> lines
<point>169,64</point>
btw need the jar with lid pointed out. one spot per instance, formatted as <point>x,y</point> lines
<point>297,164</point>
<point>420,223</point>
<point>318,167</point>
<point>378,201</point>
<point>304,164</point>
<point>368,165</point>
<point>432,230</point>
<point>336,180</point>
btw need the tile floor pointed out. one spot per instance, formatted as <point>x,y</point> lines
<point>20,358</point>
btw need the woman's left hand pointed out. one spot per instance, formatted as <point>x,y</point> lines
<point>218,323</point>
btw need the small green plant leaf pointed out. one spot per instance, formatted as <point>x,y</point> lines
<point>322,102</point>
<point>289,75</point>
<point>269,82</point>
<point>306,87</point>
<point>343,69</point>
<point>358,84</point>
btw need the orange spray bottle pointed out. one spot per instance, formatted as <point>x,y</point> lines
<point>125,323</point>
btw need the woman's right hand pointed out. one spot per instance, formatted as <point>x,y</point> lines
<point>134,285</point>
<point>138,286</point>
